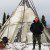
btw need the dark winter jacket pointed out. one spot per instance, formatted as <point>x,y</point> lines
<point>36,28</point>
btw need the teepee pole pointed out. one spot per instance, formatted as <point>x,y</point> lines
<point>22,17</point>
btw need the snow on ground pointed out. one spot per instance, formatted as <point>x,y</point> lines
<point>29,47</point>
<point>23,46</point>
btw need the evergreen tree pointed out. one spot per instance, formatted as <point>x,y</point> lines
<point>0,25</point>
<point>4,18</point>
<point>8,16</point>
<point>43,20</point>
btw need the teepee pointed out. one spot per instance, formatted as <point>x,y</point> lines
<point>18,25</point>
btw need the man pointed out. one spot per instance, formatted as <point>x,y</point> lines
<point>43,20</point>
<point>36,28</point>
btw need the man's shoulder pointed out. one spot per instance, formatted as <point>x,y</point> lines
<point>41,25</point>
<point>32,24</point>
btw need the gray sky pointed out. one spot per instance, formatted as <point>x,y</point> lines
<point>42,7</point>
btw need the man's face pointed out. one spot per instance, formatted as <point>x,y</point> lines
<point>36,20</point>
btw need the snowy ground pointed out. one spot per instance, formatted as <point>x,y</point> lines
<point>23,46</point>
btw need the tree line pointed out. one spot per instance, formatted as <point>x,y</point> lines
<point>5,18</point>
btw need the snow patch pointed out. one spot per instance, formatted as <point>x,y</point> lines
<point>23,46</point>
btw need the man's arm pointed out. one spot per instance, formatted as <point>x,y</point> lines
<point>31,28</point>
<point>41,27</point>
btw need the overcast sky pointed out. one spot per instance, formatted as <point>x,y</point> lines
<point>42,7</point>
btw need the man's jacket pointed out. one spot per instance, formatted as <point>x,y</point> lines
<point>36,28</point>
